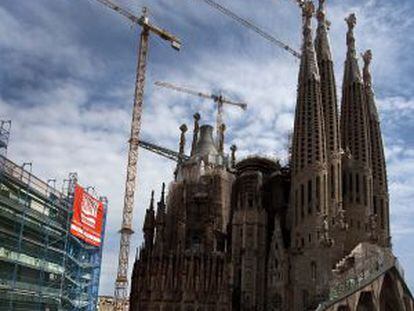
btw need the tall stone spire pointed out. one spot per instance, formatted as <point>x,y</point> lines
<point>330,110</point>
<point>160,222</point>
<point>149,223</point>
<point>309,143</point>
<point>195,132</point>
<point>379,172</point>
<point>309,171</point>
<point>357,175</point>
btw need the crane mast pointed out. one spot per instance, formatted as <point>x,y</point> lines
<point>121,282</point>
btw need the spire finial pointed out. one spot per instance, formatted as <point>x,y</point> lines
<point>367,78</point>
<point>152,201</point>
<point>351,20</point>
<point>163,193</point>
<point>321,11</point>
<point>367,57</point>
<point>352,71</point>
<point>308,9</point>
<point>183,129</point>
<point>195,132</point>
<point>321,15</point>
<point>221,141</point>
<point>309,67</point>
<point>233,149</point>
<point>322,42</point>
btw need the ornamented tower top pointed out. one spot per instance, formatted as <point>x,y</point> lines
<point>308,68</point>
<point>352,72</point>
<point>322,44</point>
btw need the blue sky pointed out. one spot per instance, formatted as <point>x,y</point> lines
<point>67,75</point>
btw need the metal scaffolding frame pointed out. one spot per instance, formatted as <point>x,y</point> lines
<point>42,265</point>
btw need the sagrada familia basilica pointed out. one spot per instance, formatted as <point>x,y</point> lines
<point>255,235</point>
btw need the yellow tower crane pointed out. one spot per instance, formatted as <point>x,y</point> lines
<point>121,282</point>
<point>218,99</point>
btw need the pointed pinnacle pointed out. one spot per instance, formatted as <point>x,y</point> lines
<point>163,192</point>
<point>351,20</point>
<point>152,201</point>
<point>308,10</point>
<point>183,128</point>
<point>321,15</point>
<point>367,57</point>
<point>321,11</point>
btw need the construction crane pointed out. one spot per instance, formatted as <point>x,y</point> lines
<point>218,99</point>
<point>253,27</point>
<point>162,151</point>
<point>121,282</point>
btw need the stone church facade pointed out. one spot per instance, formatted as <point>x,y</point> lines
<point>255,235</point>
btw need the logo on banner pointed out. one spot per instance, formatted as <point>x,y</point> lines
<point>87,217</point>
<point>89,210</point>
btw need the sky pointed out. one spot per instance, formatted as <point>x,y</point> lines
<point>67,80</point>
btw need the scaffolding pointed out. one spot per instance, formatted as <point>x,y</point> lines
<point>42,265</point>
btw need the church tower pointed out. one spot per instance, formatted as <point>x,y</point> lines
<point>357,174</point>
<point>309,192</point>
<point>333,136</point>
<point>330,111</point>
<point>381,228</point>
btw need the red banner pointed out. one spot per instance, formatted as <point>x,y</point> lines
<point>87,217</point>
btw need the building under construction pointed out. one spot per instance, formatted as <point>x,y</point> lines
<point>43,265</point>
<point>255,235</point>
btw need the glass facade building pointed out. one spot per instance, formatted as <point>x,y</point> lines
<point>42,265</point>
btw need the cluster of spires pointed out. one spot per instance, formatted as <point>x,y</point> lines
<point>199,131</point>
<point>358,132</point>
<point>154,221</point>
<point>320,137</point>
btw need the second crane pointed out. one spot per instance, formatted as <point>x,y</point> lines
<point>220,100</point>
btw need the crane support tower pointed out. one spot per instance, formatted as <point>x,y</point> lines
<point>218,99</point>
<point>121,282</point>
